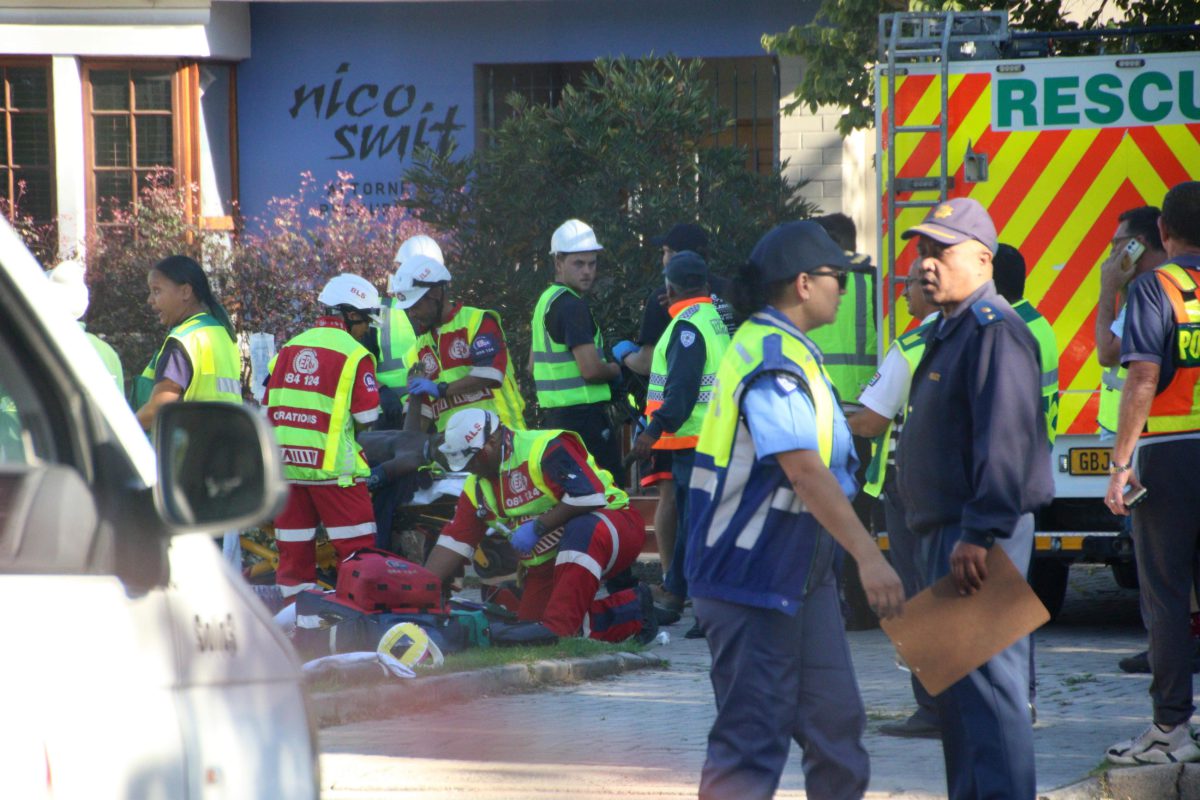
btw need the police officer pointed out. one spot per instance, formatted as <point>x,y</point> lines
<point>396,335</point>
<point>637,357</point>
<point>460,354</point>
<point>973,466</point>
<point>680,391</point>
<point>769,505</point>
<point>1160,416</point>
<point>571,526</point>
<point>567,349</point>
<point>321,389</point>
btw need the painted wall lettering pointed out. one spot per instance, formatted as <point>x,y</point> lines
<point>379,119</point>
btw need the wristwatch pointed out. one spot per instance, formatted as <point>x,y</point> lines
<point>442,387</point>
<point>1114,468</point>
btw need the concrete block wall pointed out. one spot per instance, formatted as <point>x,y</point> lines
<point>840,170</point>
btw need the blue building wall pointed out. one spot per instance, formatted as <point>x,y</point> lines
<point>357,87</point>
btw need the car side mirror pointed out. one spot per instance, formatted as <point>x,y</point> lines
<point>218,467</point>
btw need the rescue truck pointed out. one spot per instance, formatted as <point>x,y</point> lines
<point>1055,148</point>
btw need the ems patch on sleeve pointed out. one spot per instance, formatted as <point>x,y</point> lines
<point>687,338</point>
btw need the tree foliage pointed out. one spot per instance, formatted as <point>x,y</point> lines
<point>268,277</point>
<point>840,45</point>
<point>627,152</point>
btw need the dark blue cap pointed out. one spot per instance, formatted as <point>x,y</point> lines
<point>686,270</point>
<point>795,247</point>
<point>684,236</point>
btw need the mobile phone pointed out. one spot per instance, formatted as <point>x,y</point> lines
<point>1133,497</point>
<point>1134,250</point>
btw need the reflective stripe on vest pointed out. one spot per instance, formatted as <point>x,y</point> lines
<point>1176,409</point>
<point>396,338</point>
<point>215,359</point>
<point>1111,383</point>
<point>505,400</point>
<point>1040,327</point>
<point>883,447</point>
<point>556,374</point>
<point>522,498</point>
<point>738,505</point>
<point>699,311</point>
<point>849,346</point>
<point>315,430</point>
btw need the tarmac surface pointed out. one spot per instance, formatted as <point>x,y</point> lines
<point>643,733</point>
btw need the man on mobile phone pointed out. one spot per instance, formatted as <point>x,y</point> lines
<point>1136,227</point>
<point>1160,416</point>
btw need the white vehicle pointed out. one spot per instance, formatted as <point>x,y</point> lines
<point>136,663</point>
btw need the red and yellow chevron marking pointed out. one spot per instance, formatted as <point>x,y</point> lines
<point>1055,195</point>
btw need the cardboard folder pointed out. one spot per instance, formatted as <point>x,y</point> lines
<point>943,635</point>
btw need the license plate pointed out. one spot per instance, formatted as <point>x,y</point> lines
<point>1090,460</point>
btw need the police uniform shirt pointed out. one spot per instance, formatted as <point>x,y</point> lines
<point>1150,326</point>
<point>973,449</point>
<point>685,367</point>
<point>780,415</point>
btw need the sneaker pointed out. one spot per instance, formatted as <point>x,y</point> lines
<point>1156,746</point>
<point>694,632</point>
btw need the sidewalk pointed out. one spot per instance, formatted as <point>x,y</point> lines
<point>1084,704</point>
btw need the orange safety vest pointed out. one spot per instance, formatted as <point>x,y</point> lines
<point>1176,409</point>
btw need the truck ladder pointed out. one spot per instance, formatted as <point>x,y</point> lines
<point>923,37</point>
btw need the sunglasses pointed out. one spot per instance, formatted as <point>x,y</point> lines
<point>841,275</point>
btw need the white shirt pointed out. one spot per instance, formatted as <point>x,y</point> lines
<point>887,393</point>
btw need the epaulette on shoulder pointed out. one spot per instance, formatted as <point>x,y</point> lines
<point>986,312</point>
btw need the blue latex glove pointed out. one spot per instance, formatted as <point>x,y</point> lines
<point>423,386</point>
<point>623,349</point>
<point>526,536</point>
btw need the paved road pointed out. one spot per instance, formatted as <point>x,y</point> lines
<point>643,734</point>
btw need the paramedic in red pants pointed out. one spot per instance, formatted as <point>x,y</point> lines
<point>569,523</point>
<point>322,388</point>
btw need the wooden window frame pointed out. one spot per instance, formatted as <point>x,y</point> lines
<point>757,132</point>
<point>185,115</point>
<point>9,188</point>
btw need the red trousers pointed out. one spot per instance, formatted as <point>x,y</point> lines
<point>561,592</point>
<point>349,520</point>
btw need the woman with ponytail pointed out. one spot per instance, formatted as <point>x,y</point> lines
<point>769,507</point>
<point>199,360</point>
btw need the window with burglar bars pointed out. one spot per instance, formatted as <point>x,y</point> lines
<point>26,140</point>
<point>131,118</point>
<point>746,87</point>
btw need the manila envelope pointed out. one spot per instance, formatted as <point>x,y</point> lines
<point>943,635</point>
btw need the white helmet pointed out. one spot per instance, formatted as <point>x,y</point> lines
<point>69,282</point>
<point>349,290</point>
<point>466,433</point>
<point>416,276</point>
<point>574,236</point>
<point>419,245</point>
